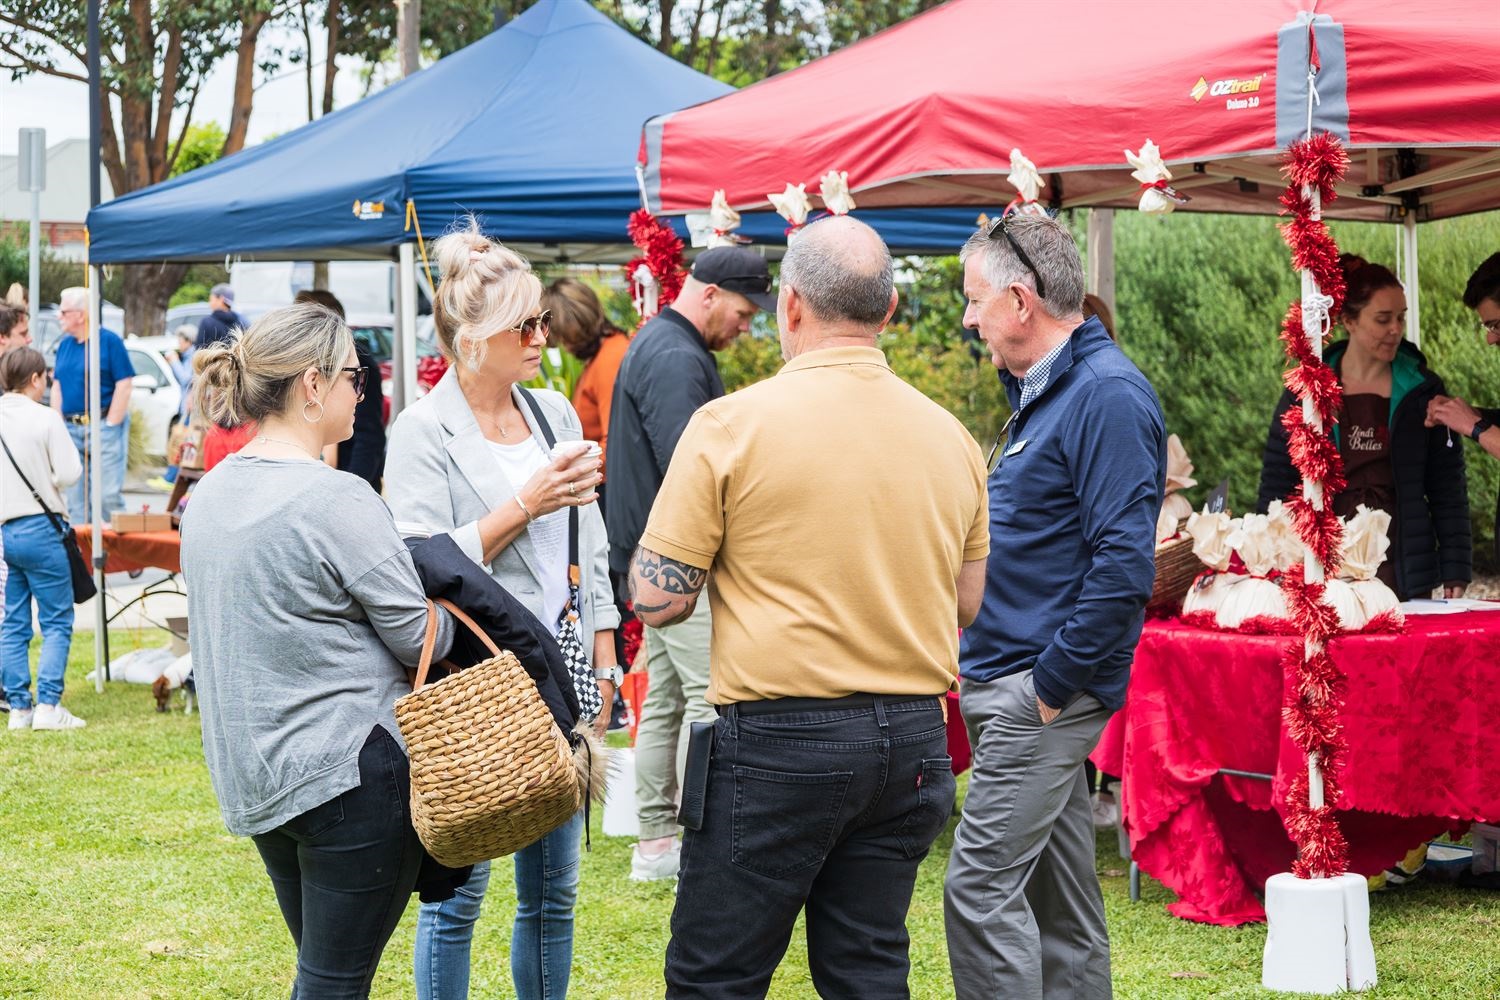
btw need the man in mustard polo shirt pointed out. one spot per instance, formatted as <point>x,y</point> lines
<point>841,521</point>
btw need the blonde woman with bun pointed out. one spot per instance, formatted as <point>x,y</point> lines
<point>306,609</point>
<point>471,459</point>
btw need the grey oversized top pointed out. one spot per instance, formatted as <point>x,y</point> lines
<point>303,604</point>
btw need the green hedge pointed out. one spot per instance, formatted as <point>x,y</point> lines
<point>1199,304</point>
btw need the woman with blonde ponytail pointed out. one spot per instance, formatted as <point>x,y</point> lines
<point>306,609</point>
<point>471,459</point>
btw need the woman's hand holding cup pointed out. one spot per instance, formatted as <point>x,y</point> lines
<point>569,480</point>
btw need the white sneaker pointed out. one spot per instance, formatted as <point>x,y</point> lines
<point>655,867</point>
<point>20,718</point>
<point>1106,811</point>
<point>56,717</point>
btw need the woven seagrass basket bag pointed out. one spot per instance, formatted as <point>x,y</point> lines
<point>491,772</point>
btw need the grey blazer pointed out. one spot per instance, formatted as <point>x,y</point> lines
<point>440,473</point>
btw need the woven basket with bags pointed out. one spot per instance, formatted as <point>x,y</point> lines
<point>491,771</point>
<point>1176,568</point>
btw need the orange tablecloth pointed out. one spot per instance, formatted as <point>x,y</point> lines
<point>134,550</point>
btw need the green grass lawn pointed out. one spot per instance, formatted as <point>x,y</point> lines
<point>117,879</point>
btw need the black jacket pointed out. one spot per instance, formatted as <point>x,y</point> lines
<point>446,572</point>
<point>1433,541</point>
<point>364,453</point>
<point>668,373</point>
<point>217,326</point>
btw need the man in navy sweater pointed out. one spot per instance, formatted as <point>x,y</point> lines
<point>1075,490</point>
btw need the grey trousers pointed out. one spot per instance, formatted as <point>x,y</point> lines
<point>1022,906</point>
<point>676,661</point>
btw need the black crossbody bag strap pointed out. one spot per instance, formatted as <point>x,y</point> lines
<point>52,516</point>
<point>551,439</point>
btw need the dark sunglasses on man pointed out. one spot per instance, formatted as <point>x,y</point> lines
<point>999,229</point>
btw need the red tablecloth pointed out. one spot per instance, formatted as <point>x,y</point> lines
<point>133,550</point>
<point>1420,715</point>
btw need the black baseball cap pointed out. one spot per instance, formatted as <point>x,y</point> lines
<point>737,269</point>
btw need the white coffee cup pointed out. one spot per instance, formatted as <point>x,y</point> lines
<point>577,451</point>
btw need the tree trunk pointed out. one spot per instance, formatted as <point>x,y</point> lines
<point>148,287</point>
<point>773,38</point>
<point>307,59</point>
<point>695,34</point>
<point>244,84</point>
<point>330,65</point>
<point>664,35</point>
<point>409,35</point>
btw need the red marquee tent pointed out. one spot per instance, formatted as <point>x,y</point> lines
<point>927,112</point>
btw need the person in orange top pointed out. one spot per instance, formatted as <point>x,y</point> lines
<point>579,324</point>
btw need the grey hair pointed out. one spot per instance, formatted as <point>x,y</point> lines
<point>838,286</point>
<point>1052,250</point>
<point>254,374</point>
<point>74,297</point>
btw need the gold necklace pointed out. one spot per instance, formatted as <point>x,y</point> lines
<point>290,444</point>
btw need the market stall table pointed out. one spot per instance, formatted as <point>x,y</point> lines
<point>1420,720</point>
<point>133,550</point>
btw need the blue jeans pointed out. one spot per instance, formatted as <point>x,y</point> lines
<point>114,444</point>
<point>38,568</point>
<point>541,940</point>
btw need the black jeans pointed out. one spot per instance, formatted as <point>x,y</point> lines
<point>343,873</point>
<point>829,806</point>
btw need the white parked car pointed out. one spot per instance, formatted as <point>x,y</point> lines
<point>156,399</point>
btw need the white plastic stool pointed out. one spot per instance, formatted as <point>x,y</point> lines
<point>1318,935</point>
<point>619,800</point>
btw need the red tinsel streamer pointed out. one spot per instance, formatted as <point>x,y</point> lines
<point>631,630</point>
<point>1313,452</point>
<point>1319,529</point>
<point>1321,385</point>
<point>1321,161</point>
<point>1312,709</point>
<point>662,253</point>
<point>1314,619</point>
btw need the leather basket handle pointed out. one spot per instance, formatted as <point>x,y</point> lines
<point>429,640</point>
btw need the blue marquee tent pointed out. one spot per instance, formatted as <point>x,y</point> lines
<point>535,128</point>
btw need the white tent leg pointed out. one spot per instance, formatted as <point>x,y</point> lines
<point>1101,250</point>
<point>96,478</point>
<point>405,371</point>
<point>1410,278</point>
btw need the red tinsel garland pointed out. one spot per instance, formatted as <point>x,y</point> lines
<point>1312,709</point>
<point>661,253</point>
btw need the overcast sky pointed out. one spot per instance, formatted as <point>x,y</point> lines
<point>61,106</point>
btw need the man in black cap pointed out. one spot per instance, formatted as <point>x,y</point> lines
<point>668,372</point>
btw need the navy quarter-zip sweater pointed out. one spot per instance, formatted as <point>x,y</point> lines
<point>1073,507</point>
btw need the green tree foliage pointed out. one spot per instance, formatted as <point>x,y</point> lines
<point>201,145</point>
<point>1200,301</point>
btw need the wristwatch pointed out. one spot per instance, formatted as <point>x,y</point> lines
<point>1480,426</point>
<point>613,674</point>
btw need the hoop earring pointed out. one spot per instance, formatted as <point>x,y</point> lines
<point>313,420</point>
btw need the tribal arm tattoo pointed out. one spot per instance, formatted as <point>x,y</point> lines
<point>664,591</point>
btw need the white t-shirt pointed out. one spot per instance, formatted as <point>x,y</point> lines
<point>549,533</point>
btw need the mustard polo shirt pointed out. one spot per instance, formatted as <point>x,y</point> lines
<point>833,504</point>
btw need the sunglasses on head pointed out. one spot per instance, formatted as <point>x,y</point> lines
<point>542,322</point>
<point>999,227</point>
<point>359,376</point>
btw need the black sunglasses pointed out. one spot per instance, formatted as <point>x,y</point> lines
<point>530,326</point>
<point>359,376</point>
<point>998,226</point>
